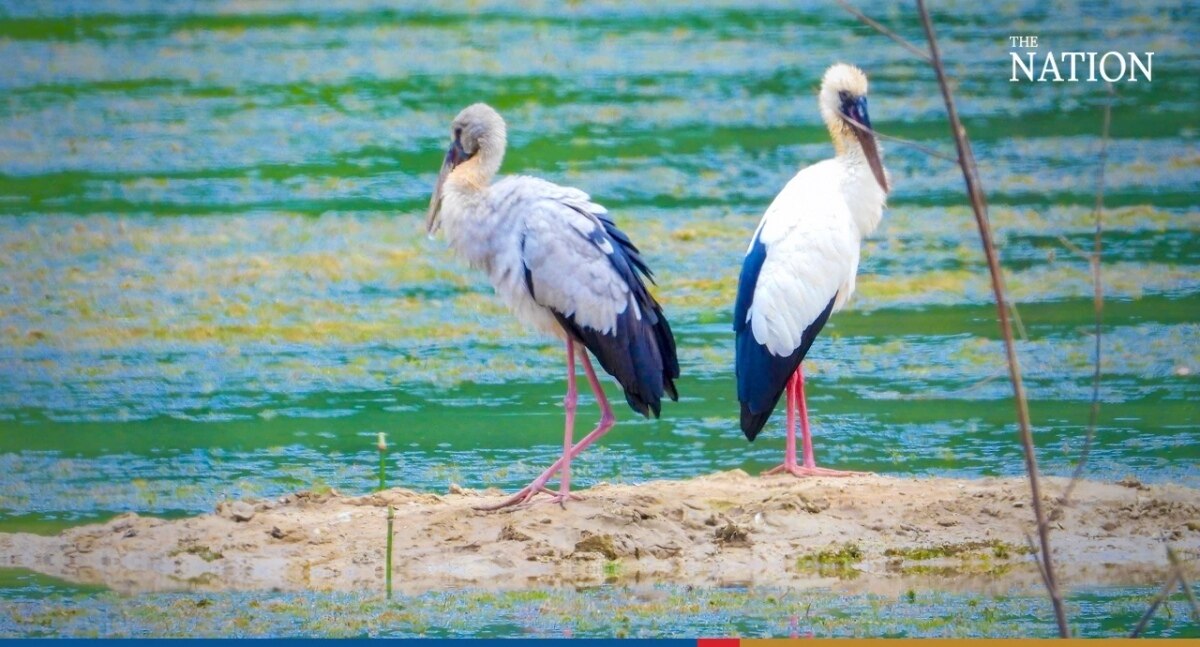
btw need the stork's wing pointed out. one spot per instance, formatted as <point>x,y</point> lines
<point>798,269</point>
<point>584,269</point>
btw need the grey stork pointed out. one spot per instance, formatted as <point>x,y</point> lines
<point>561,265</point>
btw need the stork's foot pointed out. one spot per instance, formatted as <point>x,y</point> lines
<point>560,498</point>
<point>527,497</point>
<point>802,472</point>
<point>523,497</point>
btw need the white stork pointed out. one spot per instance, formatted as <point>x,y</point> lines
<point>563,267</point>
<point>801,264</point>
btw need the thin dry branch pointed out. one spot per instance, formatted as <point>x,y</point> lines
<point>1158,600</point>
<point>877,26</point>
<point>1033,552</point>
<point>1184,583</point>
<point>1017,321</point>
<point>979,206</point>
<point>975,385</point>
<point>1075,249</point>
<point>900,140</point>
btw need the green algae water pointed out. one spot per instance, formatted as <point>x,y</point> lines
<point>597,612</point>
<point>215,283</point>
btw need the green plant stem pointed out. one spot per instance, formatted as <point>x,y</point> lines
<point>381,444</point>
<point>382,470</point>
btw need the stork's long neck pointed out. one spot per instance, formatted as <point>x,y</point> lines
<point>471,177</point>
<point>466,212</point>
<point>859,186</point>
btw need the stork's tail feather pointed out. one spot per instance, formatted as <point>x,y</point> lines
<point>762,376</point>
<point>761,380</point>
<point>640,353</point>
<point>670,361</point>
<point>752,423</point>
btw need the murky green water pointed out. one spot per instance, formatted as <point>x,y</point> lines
<point>37,606</point>
<point>214,281</point>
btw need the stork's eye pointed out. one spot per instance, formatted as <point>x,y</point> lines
<point>458,133</point>
<point>844,96</point>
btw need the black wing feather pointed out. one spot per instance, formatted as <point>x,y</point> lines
<point>640,353</point>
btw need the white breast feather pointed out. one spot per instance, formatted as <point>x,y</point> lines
<point>812,242</point>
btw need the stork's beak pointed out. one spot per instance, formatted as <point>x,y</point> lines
<point>856,111</point>
<point>454,156</point>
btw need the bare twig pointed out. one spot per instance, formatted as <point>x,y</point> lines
<point>1097,303</point>
<point>900,140</point>
<point>984,382</point>
<point>1158,600</point>
<point>934,395</point>
<point>1184,583</point>
<point>1033,551</point>
<point>914,49</point>
<point>904,42</point>
<point>979,206</point>
<point>1016,315</point>
<point>1076,249</point>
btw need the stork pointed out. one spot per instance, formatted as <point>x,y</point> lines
<point>561,265</point>
<point>801,264</point>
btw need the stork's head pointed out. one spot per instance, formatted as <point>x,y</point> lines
<point>477,140</point>
<point>843,101</point>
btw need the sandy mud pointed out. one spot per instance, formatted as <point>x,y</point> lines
<point>863,533</point>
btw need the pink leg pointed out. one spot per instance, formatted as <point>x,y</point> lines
<point>796,401</point>
<point>569,404</point>
<point>789,457</point>
<point>810,461</point>
<point>607,420</point>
